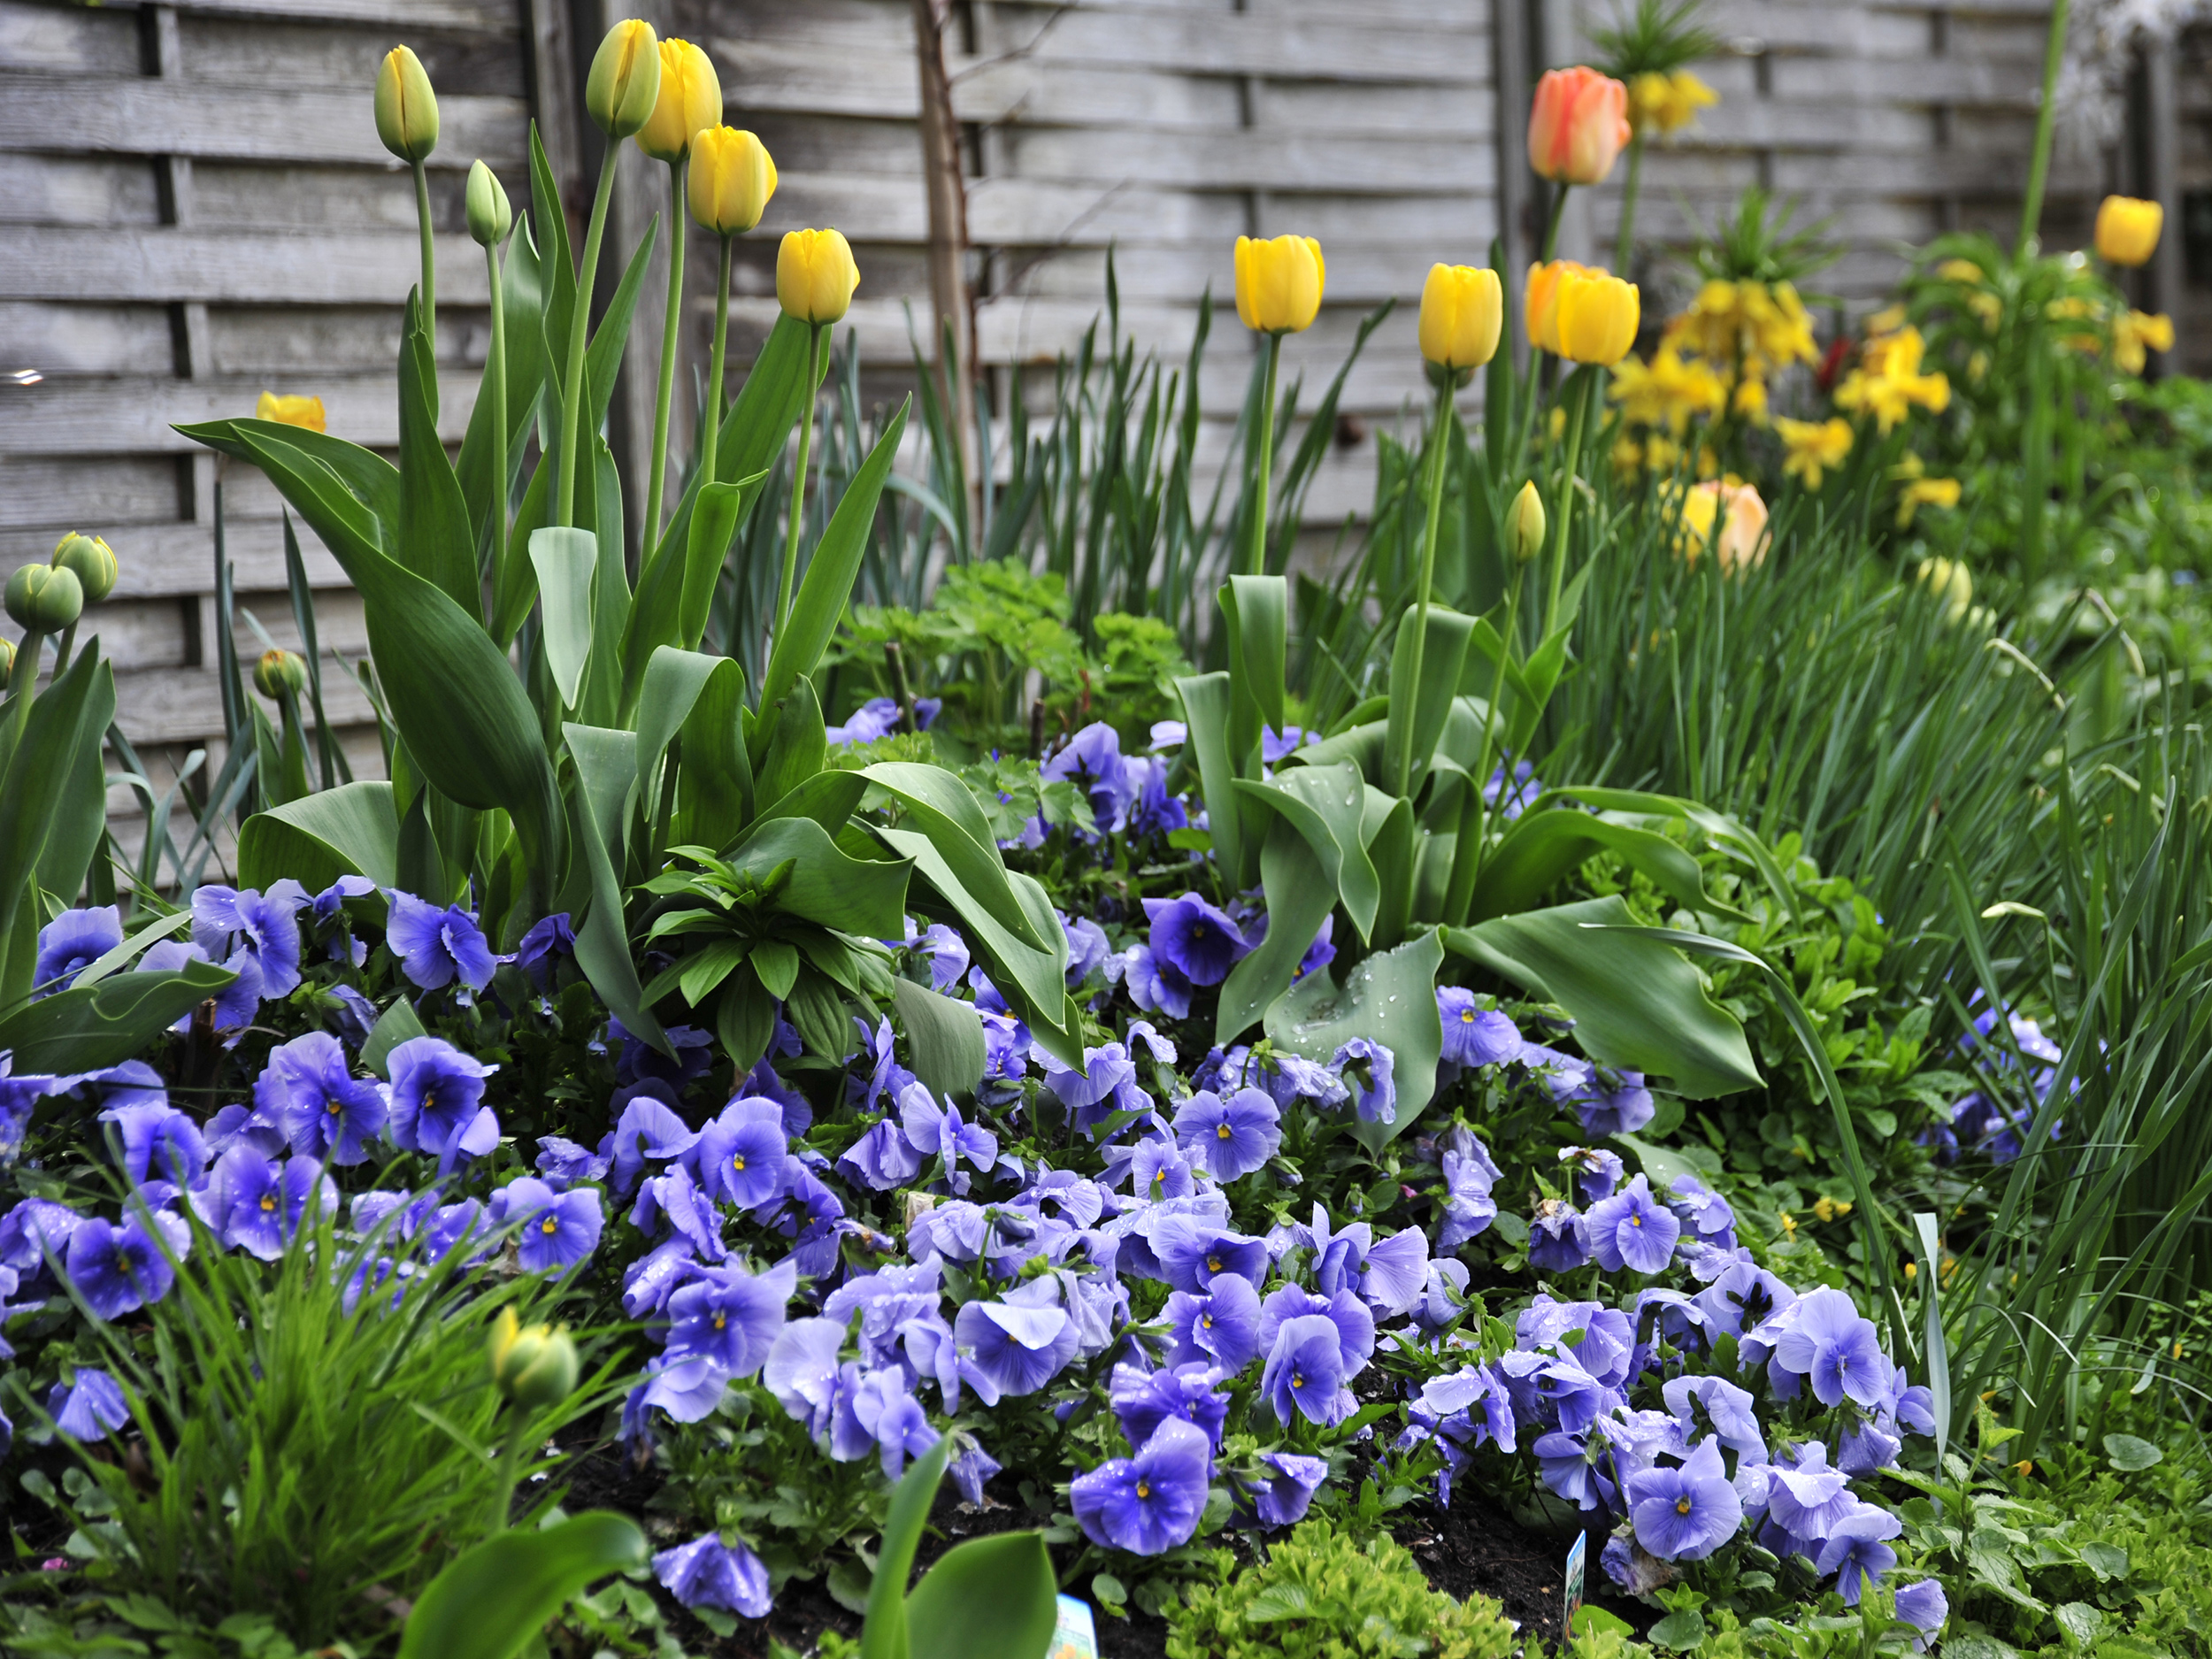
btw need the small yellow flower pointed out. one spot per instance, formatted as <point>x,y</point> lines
<point>1751,401</point>
<point>1963,271</point>
<point>1912,1270</point>
<point>1671,390</point>
<point>2136,332</point>
<point>1830,1209</point>
<point>1888,383</point>
<point>293,411</point>
<point>2025,1467</point>
<point>1925,492</point>
<point>1789,1225</point>
<point>1813,447</point>
<point>1949,581</point>
<point>1664,104</point>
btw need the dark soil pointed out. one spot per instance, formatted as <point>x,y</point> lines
<point>1476,1549</point>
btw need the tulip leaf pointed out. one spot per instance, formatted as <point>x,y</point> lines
<point>699,697</point>
<point>89,1028</point>
<point>564,560</point>
<point>1325,804</point>
<point>606,768</point>
<point>437,540</point>
<point>793,740</point>
<point>599,503</point>
<point>828,885</point>
<point>944,1035</point>
<point>1637,1003</point>
<point>347,526</point>
<point>492,1601</point>
<point>1259,606</point>
<point>395,1024</point>
<point>1389,998</point>
<point>611,335</point>
<point>1418,713</point>
<point>523,301</point>
<point>1394,850</point>
<point>828,798</point>
<point>350,831</point>
<point>821,602</point>
<point>674,594</point>
<point>371,480</point>
<point>1299,896</point>
<point>938,805</point>
<point>986,1598</point>
<point>80,815</point>
<point>37,775</point>
<point>1207,700</point>
<point>883,1634</point>
<point>557,262</point>
<point>1542,846</point>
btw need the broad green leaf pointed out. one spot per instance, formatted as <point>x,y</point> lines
<point>1663,1166</point>
<point>437,539</point>
<point>790,743</point>
<point>987,1598</point>
<point>745,1019</point>
<point>1417,714</point>
<point>599,701</point>
<point>2129,1454</point>
<point>606,767</point>
<point>353,534</point>
<point>351,830</point>
<point>826,884</point>
<point>36,780</point>
<point>828,797</point>
<point>564,560</point>
<point>81,814</point>
<point>945,1037</point>
<point>883,1635</point>
<point>699,697</point>
<point>492,1601</point>
<point>112,962</point>
<point>1392,847</point>
<point>91,1027</point>
<point>1260,606</point>
<point>714,520</point>
<point>1208,700</point>
<point>828,583</point>
<point>1299,896</point>
<point>776,962</point>
<point>1545,844</point>
<point>1389,998</point>
<point>395,1024</point>
<point>1325,804</point>
<point>371,481</point>
<point>936,803</point>
<point>1636,1003</point>
<point>677,580</point>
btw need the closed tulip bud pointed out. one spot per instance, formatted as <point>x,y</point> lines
<point>1595,316</point>
<point>690,102</point>
<point>1577,125</point>
<point>490,215</point>
<point>290,412</point>
<point>277,672</point>
<point>1951,583</point>
<point>2127,229</point>
<point>535,1366</point>
<point>1526,523</point>
<point>816,276</point>
<point>625,82</point>
<point>1463,309</point>
<point>43,599</point>
<point>731,179</point>
<point>406,108</point>
<point>7,662</point>
<point>1279,283</point>
<point>91,561</point>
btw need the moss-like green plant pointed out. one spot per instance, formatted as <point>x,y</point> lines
<point>1320,1595</point>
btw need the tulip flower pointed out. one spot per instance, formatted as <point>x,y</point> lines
<point>1463,310</point>
<point>814,279</point>
<point>1278,288</point>
<point>689,104</point>
<point>1577,125</point>
<point>407,121</point>
<point>1594,317</point>
<point>532,1365</point>
<point>42,599</point>
<point>1526,523</point>
<point>1730,517</point>
<point>2127,230</point>
<point>93,563</point>
<point>292,411</point>
<point>490,215</point>
<point>280,674</point>
<point>730,180</point>
<point>623,86</point>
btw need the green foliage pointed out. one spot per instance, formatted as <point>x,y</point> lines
<point>1318,1593</point>
<point>492,1600</point>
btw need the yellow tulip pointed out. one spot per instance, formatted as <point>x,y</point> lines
<point>1526,523</point>
<point>1741,545</point>
<point>690,102</point>
<point>406,108</point>
<point>816,276</point>
<point>2127,229</point>
<point>731,177</point>
<point>625,82</point>
<point>532,1365</point>
<point>1463,309</point>
<point>280,671</point>
<point>1279,283</point>
<point>292,411</point>
<point>1595,316</point>
<point>1540,299</point>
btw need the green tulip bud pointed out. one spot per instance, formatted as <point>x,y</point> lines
<point>406,108</point>
<point>43,600</point>
<point>1525,524</point>
<point>624,83</point>
<point>277,672</point>
<point>535,1366</point>
<point>7,662</point>
<point>490,218</point>
<point>93,563</point>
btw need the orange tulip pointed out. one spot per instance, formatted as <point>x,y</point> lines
<point>1577,125</point>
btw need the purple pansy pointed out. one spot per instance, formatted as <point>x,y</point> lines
<point>558,1231</point>
<point>1633,1229</point>
<point>1857,1550</point>
<point>308,1091</point>
<point>544,948</point>
<point>1144,1400</point>
<point>1685,1513</point>
<point>1221,1325</point>
<point>1366,1067</point>
<point>1150,1503</point>
<point>1475,1035</point>
<point>436,1096</point>
<point>1229,1139</point>
<point>71,943</point>
<point>730,1317</point>
<point>438,946</point>
<point>88,1409</point>
<point>1017,1349</point>
<point>1305,1371</point>
<point>264,926</point>
<point>1828,1342</point>
<point>1282,1497</point>
<point>707,1572</point>
<point>119,1267</point>
<point>1195,938</point>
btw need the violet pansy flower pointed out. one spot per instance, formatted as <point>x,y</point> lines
<point>1150,1503</point>
<point>71,943</point>
<point>437,946</point>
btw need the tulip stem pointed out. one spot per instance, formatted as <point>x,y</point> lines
<point>798,479</point>
<point>1551,223</point>
<point>1467,859</point>
<point>510,1467</point>
<point>1624,250</point>
<point>61,651</point>
<point>429,260</point>
<point>2046,117</point>
<point>1256,556</point>
<point>496,374</point>
<point>23,677</point>
<point>672,337</point>
<point>713,448</point>
<point>578,326</point>
<point>1440,440</point>
<point>1576,417</point>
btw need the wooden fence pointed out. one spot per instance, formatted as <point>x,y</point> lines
<point>197,209</point>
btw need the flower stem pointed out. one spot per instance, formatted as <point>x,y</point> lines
<point>23,677</point>
<point>510,1455</point>
<point>1463,889</point>
<point>1624,250</point>
<point>671,338</point>
<point>1255,554</point>
<point>578,328</point>
<point>798,479</point>
<point>495,373</point>
<point>429,260</point>
<point>2045,118</point>
<point>1551,223</point>
<point>1565,512</point>
<point>712,451</point>
<point>1439,440</point>
<point>62,650</point>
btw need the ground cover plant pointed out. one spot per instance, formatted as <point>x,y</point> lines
<point>1662,1002</point>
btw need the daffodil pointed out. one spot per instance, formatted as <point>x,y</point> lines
<point>1888,383</point>
<point>1811,448</point>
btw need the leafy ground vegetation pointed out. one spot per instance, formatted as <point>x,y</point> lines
<point>1658,1006</point>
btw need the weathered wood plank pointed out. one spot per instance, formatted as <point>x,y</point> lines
<point>88,417</point>
<point>166,561</point>
<point>100,114</point>
<point>489,17</point>
<point>75,40</point>
<point>168,263</point>
<point>177,705</point>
